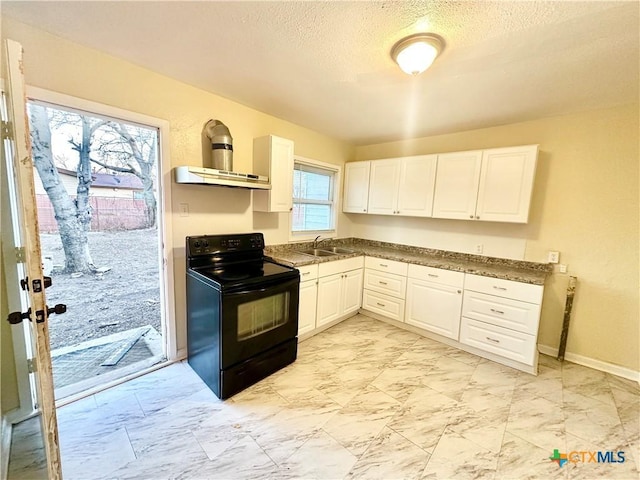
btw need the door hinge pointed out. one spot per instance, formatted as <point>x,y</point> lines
<point>21,255</point>
<point>7,130</point>
<point>31,365</point>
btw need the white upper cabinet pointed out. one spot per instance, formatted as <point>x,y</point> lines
<point>383,186</point>
<point>506,184</point>
<point>491,185</point>
<point>356,187</point>
<point>415,189</point>
<point>402,186</point>
<point>457,179</point>
<point>273,156</point>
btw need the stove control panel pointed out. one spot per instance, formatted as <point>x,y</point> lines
<point>213,244</point>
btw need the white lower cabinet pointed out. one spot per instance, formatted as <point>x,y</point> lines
<point>307,299</point>
<point>339,294</point>
<point>501,317</point>
<point>385,285</point>
<point>501,341</point>
<point>382,304</point>
<point>434,300</point>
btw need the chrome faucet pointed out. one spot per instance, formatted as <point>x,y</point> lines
<point>317,242</point>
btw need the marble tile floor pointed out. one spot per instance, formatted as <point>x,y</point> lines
<point>364,400</point>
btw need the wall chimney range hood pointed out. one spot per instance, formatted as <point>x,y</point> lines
<point>223,178</point>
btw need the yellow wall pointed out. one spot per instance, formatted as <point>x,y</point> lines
<point>585,205</point>
<point>61,66</point>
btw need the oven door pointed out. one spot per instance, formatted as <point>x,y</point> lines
<point>258,318</point>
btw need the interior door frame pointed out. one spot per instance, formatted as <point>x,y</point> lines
<point>167,295</point>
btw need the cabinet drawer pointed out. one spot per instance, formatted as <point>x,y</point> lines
<point>390,266</point>
<point>504,312</point>
<point>308,272</point>
<point>504,288</point>
<point>383,304</point>
<point>507,343</point>
<point>436,275</point>
<point>339,266</point>
<point>394,285</point>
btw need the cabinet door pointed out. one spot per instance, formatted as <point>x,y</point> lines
<point>307,306</point>
<point>416,185</point>
<point>356,187</point>
<point>456,192</point>
<point>383,186</point>
<point>506,184</point>
<point>434,307</point>
<point>351,291</point>
<point>273,156</point>
<point>329,299</point>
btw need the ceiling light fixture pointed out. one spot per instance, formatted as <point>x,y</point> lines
<point>415,53</point>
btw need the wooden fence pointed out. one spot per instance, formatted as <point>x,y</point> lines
<point>107,214</point>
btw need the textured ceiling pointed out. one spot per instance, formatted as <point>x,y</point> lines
<point>326,65</point>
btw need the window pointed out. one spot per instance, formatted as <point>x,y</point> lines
<point>314,206</point>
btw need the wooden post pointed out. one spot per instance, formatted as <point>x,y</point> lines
<point>571,290</point>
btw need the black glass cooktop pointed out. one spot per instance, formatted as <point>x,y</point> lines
<point>247,273</point>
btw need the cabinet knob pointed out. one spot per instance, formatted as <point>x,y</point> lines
<point>470,216</point>
<point>459,291</point>
<point>478,217</point>
<point>364,210</point>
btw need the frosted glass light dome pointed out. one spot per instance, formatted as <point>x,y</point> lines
<point>415,53</point>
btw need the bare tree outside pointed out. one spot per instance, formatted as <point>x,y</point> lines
<point>93,144</point>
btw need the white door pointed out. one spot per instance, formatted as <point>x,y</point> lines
<point>434,307</point>
<point>352,291</point>
<point>416,185</point>
<point>307,306</point>
<point>456,192</point>
<point>356,187</point>
<point>22,255</point>
<point>329,296</point>
<point>383,186</point>
<point>506,184</point>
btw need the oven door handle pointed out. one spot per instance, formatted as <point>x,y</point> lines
<point>282,286</point>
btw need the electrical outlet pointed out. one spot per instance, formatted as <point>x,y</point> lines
<point>563,268</point>
<point>479,248</point>
<point>553,257</point>
<point>184,209</point>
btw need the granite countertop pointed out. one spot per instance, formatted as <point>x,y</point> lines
<point>516,270</point>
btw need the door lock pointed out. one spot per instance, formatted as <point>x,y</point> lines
<point>15,318</point>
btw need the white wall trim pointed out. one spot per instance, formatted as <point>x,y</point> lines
<point>5,447</point>
<point>593,363</point>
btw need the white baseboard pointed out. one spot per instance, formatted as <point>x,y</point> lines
<point>593,363</point>
<point>5,447</point>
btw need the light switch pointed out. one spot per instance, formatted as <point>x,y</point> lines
<point>184,209</point>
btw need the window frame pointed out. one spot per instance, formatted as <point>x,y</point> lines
<point>307,235</point>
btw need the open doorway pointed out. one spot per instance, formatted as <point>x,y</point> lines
<point>98,196</point>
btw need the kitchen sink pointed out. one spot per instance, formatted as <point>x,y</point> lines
<point>316,252</point>
<point>338,250</point>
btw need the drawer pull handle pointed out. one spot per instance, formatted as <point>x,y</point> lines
<point>492,340</point>
<point>499,288</point>
<point>306,273</point>
<point>383,265</point>
<point>432,275</point>
<point>497,311</point>
<point>382,283</point>
<point>380,304</point>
